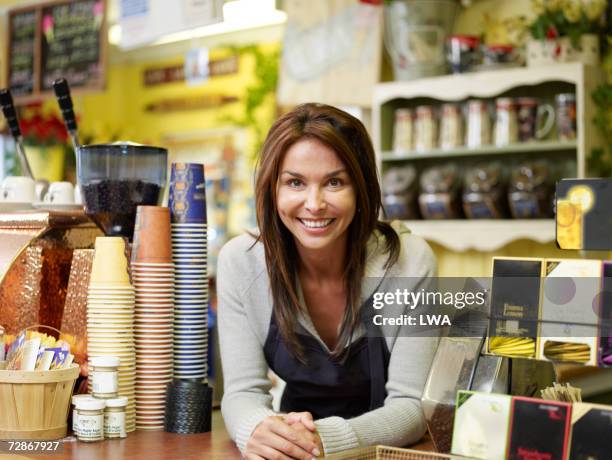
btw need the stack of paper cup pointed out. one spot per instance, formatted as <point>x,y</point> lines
<point>153,276</point>
<point>187,202</point>
<point>110,315</point>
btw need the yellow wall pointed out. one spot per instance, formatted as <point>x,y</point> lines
<point>119,112</point>
<point>479,264</point>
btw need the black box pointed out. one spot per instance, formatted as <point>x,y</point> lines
<point>539,429</point>
<point>591,432</point>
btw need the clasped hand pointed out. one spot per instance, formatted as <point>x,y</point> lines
<point>285,437</point>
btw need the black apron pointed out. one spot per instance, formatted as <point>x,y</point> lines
<point>324,386</point>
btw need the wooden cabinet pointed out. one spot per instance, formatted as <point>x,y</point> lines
<point>568,158</point>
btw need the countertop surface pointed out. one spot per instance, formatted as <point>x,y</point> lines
<point>152,445</point>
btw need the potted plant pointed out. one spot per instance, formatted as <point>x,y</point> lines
<point>565,31</point>
<point>45,138</point>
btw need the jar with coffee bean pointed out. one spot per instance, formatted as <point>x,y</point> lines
<point>484,192</point>
<point>530,194</point>
<point>400,191</point>
<point>440,193</point>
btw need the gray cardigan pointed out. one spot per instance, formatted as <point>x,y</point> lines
<point>244,312</point>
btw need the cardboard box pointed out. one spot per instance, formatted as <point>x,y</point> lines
<point>569,313</point>
<point>481,425</point>
<point>538,429</point>
<point>584,214</point>
<point>605,316</point>
<point>591,432</point>
<point>515,297</point>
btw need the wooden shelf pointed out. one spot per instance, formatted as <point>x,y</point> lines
<point>482,235</point>
<point>489,83</point>
<point>489,150</point>
<point>515,82</point>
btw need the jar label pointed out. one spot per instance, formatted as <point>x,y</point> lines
<point>114,424</point>
<point>104,382</point>
<point>91,426</point>
<point>75,422</point>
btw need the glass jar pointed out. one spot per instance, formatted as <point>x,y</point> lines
<point>75,415</point>
<point>103,372</point>
<point>506,124</point>
<point>90,426</point>
<point>400,189</point>
<point>439,197</point>
<point>566,116</point>
<point>451,126</point>
<point>402,131</point>
<point>478,124</point>
<point>425,128</point>
<point>530,194</point>
<point>484,192</point>
<point>114,417</point>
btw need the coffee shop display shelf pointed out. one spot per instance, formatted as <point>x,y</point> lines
<point>530,148</point>
<point>566,158</point>
<point>542,82</point>
<point>482,235</point>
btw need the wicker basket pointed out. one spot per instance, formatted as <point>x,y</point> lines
<point>389,453</point>
<point>35,404</point>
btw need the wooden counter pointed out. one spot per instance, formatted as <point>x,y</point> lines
<point>154,445</point>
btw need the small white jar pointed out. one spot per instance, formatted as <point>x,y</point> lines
<point>103,372</point>
<point>91,419</point>
<point>114,417</point>
<point>75,414</point>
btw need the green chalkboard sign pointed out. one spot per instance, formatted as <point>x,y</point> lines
<point>22,40</point>
<point>71,43</point>
<point>59,39</point>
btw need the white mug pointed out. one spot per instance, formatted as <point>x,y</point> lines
<point>18,189</point>
<point>60,193</point>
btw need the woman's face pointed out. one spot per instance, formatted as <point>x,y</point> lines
<point>315,196</point>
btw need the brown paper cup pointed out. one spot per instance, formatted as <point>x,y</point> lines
<point>152,240</point>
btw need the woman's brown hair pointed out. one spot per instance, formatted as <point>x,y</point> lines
<point>347,136</point>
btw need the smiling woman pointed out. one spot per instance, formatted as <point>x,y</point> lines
<point>316,205</point>
<point>294,298</point>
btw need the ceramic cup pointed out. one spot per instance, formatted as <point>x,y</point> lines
<point>18,189</point>
<point>60,193</point>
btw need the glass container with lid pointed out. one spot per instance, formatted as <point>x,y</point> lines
<point>399,186</point>
<point>440,197</point>
<point>116,178</point>
<point>104,376</point>
<point>484,192</point>
<point>530,193</point>
<point>90,419</point>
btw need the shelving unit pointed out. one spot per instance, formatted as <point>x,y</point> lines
<point>482,235</point>
<point>532,148</point>
<point>541,82</point>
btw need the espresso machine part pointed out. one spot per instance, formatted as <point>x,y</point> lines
<point>62,93</point>
<point>8,108</point>
<point>117,178</point>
